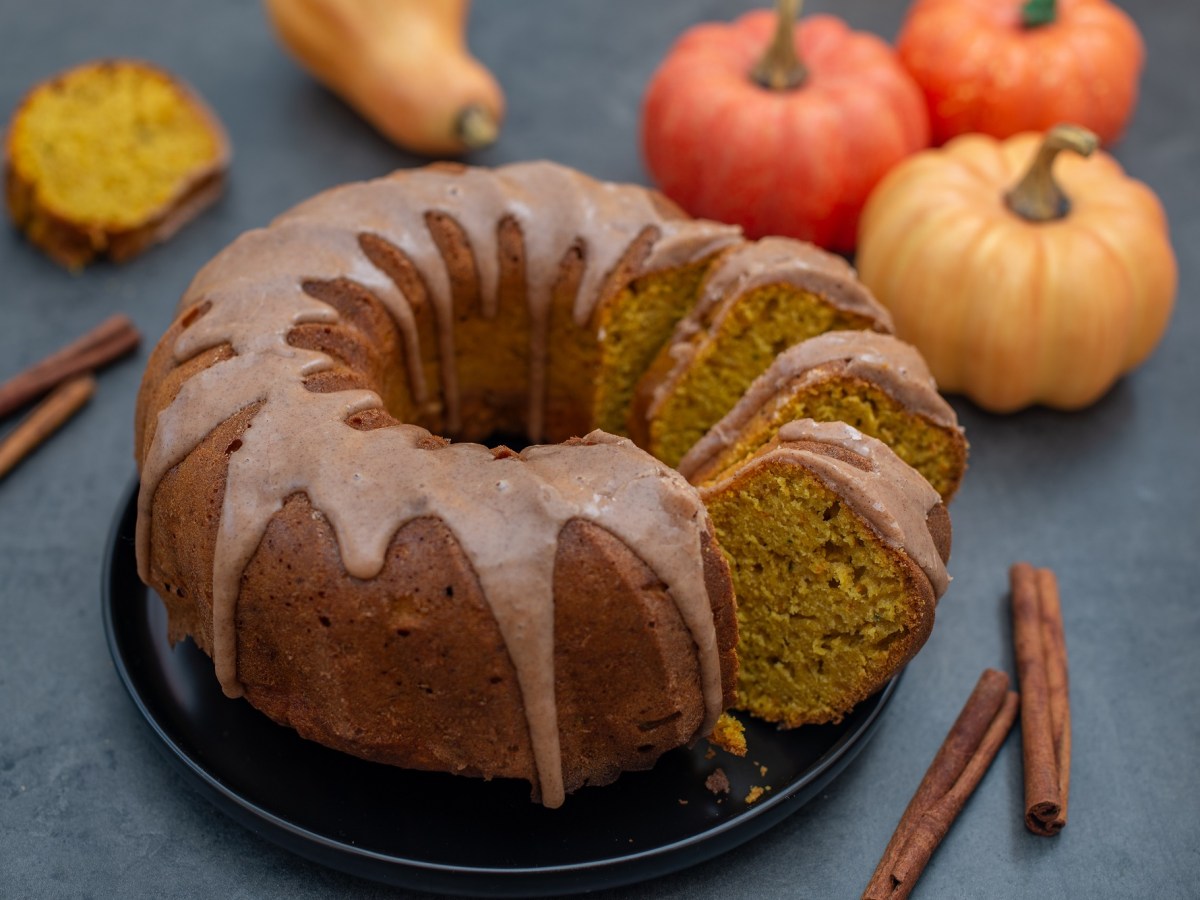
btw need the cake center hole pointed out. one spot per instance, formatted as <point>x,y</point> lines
<point>513,440</point>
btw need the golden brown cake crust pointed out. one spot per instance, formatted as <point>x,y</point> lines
<point>73,242</point>
<point>423,626</point>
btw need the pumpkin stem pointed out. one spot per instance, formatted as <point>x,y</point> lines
<point>780,68</point>
<point>476,128</point>
<point>1038,12</point>
<point>1037,196</point>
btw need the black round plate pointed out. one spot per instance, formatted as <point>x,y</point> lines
<point>439,832</point>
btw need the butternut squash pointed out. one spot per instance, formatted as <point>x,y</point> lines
<point>401,64</point>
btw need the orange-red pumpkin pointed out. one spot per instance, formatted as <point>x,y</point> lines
<point>778,145</point>
<point>1005,66</point>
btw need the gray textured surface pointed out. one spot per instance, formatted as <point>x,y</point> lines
<point>1108,497</point>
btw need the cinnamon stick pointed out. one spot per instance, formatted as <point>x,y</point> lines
<point>1055,644</point>
<point>109,340</point>
<point>956,770</point>
<point>1041,653</point>
<point>45,419</point>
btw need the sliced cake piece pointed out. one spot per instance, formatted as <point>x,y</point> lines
<point>632,328</point>
<point>875,382</point>
<point>838,552</point>
<point>757,300</point>
<point>110,157</point>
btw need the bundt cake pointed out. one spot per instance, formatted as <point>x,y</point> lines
<point>110,157</point>
<point>442,605</point>
<point>838,550</point>
<point>558,615</point>
<point>756,300</point>
<point>875,382</point>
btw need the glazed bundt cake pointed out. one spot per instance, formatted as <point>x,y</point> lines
<point>875,382</point>
<point>558,615</point>
<point>756,300</point>
<point>270,437</point>
<point>838,551</point>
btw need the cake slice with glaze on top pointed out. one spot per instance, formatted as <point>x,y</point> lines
<point>757,299</point>
<point>875,382</point>
<point>838,552</point>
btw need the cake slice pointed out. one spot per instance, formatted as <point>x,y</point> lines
<point>108,158</point>
<point>875,382</point>
<point>838,552</point>
<point>757,300</point>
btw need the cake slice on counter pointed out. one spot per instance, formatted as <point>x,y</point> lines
<point>108,158</point>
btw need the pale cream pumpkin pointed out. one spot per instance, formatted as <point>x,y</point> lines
<point>1023,276</point>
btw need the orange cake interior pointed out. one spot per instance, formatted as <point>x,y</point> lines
<point>756,301</point>
<point>874,382</point>
<point>828,610</point>
<point>109,157</point>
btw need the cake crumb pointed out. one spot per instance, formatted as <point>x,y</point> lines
<point>762,770</point>
<point>730,735</point>
<point>683,802</point>
<point>710,753</point>
<point>717,782</point>
<point>755,793</point>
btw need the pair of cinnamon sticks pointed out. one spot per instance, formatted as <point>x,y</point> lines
<point>980,730</point>
<point>67,375</point>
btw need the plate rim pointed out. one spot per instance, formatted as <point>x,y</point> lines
<point>557,878</point>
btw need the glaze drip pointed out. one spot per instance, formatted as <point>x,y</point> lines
<point>604,217</point>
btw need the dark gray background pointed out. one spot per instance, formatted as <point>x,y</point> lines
<point>1107,497</point>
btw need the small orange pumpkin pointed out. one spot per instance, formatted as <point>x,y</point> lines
<point>1038,293</point>
<point>1005,66</point>
<point>789,141</point>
